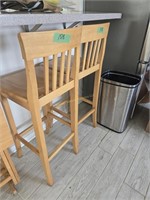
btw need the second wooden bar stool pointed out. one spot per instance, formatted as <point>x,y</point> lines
<point>36,86</point>
<point>93,44</point>
<point>93,40</point>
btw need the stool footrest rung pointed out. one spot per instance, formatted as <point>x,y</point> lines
<point>86,115</point>
<point>60,119</point>
<point>61,112</point>
<point>59,104</point>
<point>86,100</point>
<point>60,146</point>
<point>6,180</point>
<point>28,144</point>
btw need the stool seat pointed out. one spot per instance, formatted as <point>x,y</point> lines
<point>14,85</point>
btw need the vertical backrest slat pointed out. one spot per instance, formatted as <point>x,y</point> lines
<point>32,85</point>
<point>102,51</point>
<point>46,74</point>
<point>75,65</point>
<point>89,55</point>
<point>97,52</point>
<point>68,66</point>
<point>93,53</point>
<point>44,78</point>
<point>84,55</point>
<point>6,139</point>
<point>54,72</point>
<point>62,65</point>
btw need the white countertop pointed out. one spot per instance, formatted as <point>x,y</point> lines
<point>47,18</point>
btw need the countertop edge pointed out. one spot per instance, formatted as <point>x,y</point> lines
<point>33,19</point>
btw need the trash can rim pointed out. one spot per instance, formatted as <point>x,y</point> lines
<point>136,79</point>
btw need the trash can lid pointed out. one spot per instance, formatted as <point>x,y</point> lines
<point>121,79</point>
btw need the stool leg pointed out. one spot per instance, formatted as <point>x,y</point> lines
<point>11,175</point>
<point>40,138</point>
<point>12,166</point>
<point>95,96</point>
<point>8,167</point>
<point>11,123</point>
<point>74,117</point>
<point>12,187</point>
<point>49,119</point>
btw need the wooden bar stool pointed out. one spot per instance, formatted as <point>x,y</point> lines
<point>37,86</point>
<point>93,44</point>
<point>8,172</point>
<point>93,41</point>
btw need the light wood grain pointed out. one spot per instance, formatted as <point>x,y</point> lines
<point>60,146</point>
<point>6,163</point>
<point>68,67</point>
<point>6,139</point>
<point>94,44</point>
<point>37,86</point>
<point>54,73</point>
<point>62,68</point>
<point>89,54</point>
<point>97,50</point>
<point>93,53</point>
<point>12,166</point>
<point>46,75</point>
<point>11,123</point>
<point>85,46</point>
<point>36,44</point>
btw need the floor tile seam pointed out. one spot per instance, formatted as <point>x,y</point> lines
<point>135,156</point>
<point>112,156</point>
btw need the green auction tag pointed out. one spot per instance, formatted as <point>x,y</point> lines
<point>100,30</point>
<point>61,38</point>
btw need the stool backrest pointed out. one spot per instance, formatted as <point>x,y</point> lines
<point>5,135</point>
<point>54,44</point>
<point>93,41</point>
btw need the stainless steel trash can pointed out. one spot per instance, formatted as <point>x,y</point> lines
<point>117,98</point>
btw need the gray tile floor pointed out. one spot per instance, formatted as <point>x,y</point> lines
<point>109,165</point>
